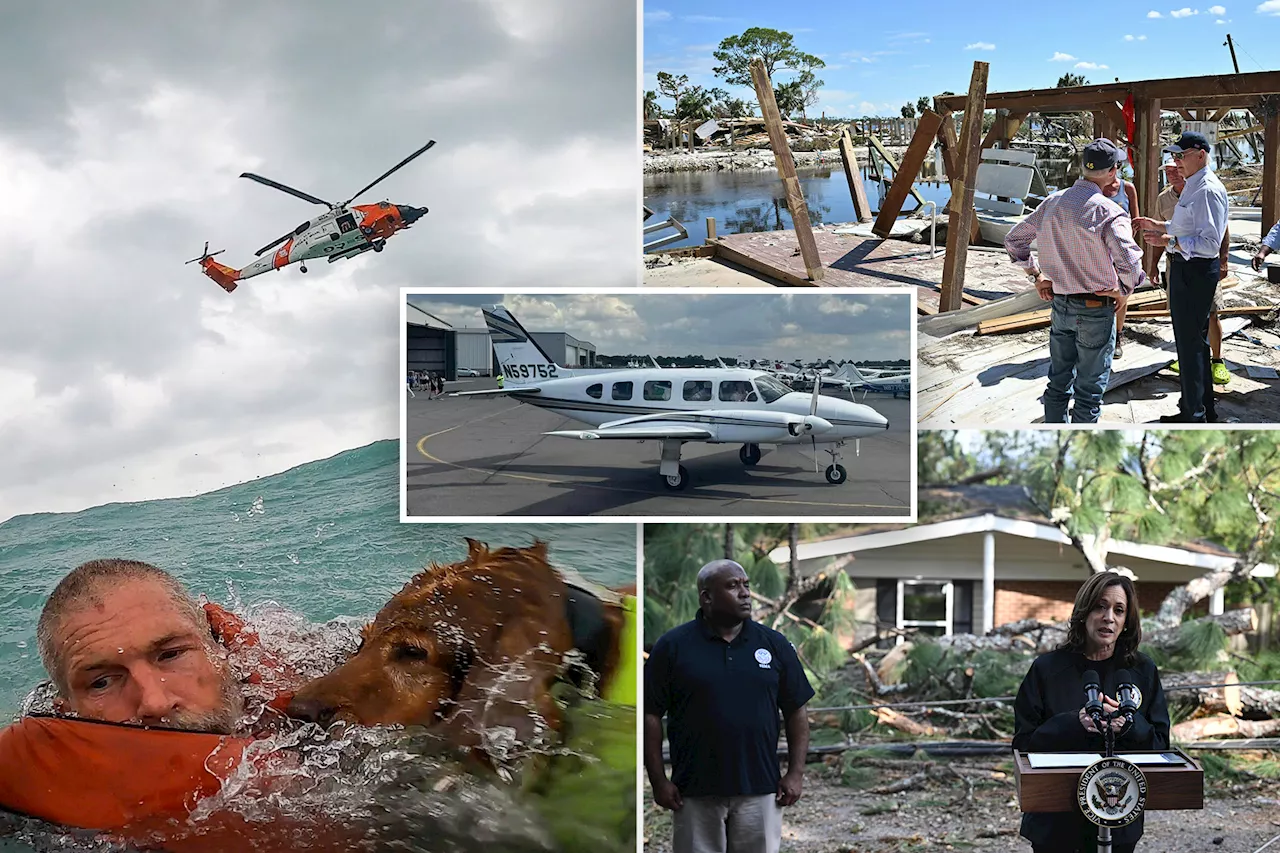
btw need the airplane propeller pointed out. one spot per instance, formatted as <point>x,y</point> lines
<point>813,411</point>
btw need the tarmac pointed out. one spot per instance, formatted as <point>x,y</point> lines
<point>470,456</point>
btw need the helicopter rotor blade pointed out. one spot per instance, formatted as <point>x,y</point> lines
<point>406,161</point>
<point>270,246</point>
<point>276,185</point>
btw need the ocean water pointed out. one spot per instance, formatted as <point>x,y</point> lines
<point>322,541</point>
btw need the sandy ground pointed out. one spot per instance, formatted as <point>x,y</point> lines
<point>832,818</point>
<point>673,271</point>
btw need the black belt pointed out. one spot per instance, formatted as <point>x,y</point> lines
<point>1089,300</point>
<point>1181,260</point>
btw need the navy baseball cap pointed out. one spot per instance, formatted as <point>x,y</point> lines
<point>1101,154</point>
<point>1186,142</point>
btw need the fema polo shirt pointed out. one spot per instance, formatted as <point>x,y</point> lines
<point>722,701</point>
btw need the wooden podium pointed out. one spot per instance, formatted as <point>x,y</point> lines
<point>1170,787</point>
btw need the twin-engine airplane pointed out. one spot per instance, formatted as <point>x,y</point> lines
<point>677,405</point>
<point>343,231</point>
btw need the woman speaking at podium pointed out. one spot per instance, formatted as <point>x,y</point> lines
<point>1102,638</point>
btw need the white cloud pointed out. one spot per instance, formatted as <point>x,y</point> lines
<point>1090,66</point>
<point>657,16</point>
<point>980,45</point>
<point>866,108</point>
<point>1270,7</point>
<point>1154,14</point>
<point>1184,12</point>
<point>1220,21</point>
<point>1059,56</point>
<point>1142,38</point>
<point>1217,10</point>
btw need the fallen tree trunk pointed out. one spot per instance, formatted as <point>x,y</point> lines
<point>1259,704</point>
<point>1041,637</point>
<point>891,718</point>
<point>1221,725</point>
<point>1210,700</point>
<point>1241,621</point>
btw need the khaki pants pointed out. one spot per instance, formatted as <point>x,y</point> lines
<point>728,825</point>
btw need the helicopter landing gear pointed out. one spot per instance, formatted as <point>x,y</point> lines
<point>749,454</point>
<point>836,474</point>
<point>674,475</point>
<point>377,246</point>
<point>302,268</point>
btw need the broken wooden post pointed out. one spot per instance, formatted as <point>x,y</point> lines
<point>893,164</point>
<point>711,228</point>
<point>1271,167</point>
<point>904,177</point>
<point>786,170</point>
<point>861,207</point>
<point>961,223</point>
<point>1147,169</point>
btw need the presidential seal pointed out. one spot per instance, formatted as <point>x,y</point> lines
<point>1112,792</point>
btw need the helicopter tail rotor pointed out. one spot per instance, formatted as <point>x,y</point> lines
<point>205,254</point>
<point>225,276</point>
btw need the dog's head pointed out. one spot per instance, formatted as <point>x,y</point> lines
<point>415,657</point>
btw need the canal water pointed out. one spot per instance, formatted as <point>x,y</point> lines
<point>751,201</point>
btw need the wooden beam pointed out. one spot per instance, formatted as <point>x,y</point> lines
<point>1220,114</point>
<point>1271,170</point>
<point>961,223</point>
<point>787,170</point>
<point>785,277</point>
<point>1176,91</point>
<point>953,161</point>
<point>905,176</point>
<point>857,190</point>
<point>1115,113</point>
<point>1147,169</point>
<point>1186,114</point>
<point>893,164</point>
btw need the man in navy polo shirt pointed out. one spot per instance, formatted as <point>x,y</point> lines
<point>721,681</point>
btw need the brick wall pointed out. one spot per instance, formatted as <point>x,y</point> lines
<point>1051,601</point>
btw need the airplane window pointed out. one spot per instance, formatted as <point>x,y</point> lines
<point>659,391</point>
<point>770,388</point>
<point>697,391</point>
<point>622,390</point>
<point>596,391</point>
<point>737,391</point>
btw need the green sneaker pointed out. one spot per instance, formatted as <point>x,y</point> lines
<point>1221,376</point>
<point>1173,368</point>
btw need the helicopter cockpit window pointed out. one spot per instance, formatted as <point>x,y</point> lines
<point>303,227</point>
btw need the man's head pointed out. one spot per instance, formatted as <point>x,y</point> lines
<point>724,592</point>
<point>1173,174</point>
<point>1099,162</point>
<point>1190,153</point>
<point>124,642</point>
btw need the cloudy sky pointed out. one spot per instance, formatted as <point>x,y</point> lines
<point>808,326</point>
<point>125,375</point>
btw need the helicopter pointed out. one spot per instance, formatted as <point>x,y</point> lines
<point>343,231</point>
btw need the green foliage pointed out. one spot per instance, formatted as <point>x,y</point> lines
<point>1067,80</point>
<point>924,102</point>
<point>1199,647</point>
<point>908,110</point>
<point>780,55</point>
<point>942,673</point>
<point>1262,667</point>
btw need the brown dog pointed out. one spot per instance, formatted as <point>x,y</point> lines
<point>469,646</point>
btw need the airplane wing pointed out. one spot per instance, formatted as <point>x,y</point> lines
<point>639,432</point>
<point>493,392</point>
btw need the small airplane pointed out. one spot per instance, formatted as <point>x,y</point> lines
<point>343,231</point>
<point>889,384</point>
<point>676,405</point>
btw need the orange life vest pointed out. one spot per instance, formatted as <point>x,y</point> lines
<point>110,776</point>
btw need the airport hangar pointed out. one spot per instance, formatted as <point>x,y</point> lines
<point>437,346</point>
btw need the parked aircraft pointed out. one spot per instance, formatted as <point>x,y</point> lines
<point>677,405</point>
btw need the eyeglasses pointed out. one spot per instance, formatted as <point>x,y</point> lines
<point>1177,158</point>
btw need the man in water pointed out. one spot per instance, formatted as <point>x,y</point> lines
<point>721,681</point>
<point>124,642</point>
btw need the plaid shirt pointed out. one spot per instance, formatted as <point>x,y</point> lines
<point>1085,239</point>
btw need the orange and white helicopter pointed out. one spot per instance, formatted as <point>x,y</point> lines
<point>343,231</point>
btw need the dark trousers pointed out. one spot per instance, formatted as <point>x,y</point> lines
<point>1191,287</point>
<point>1092,848</point>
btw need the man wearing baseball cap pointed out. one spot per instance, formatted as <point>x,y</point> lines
<point>1191,240</point>
<point>1088,266</point>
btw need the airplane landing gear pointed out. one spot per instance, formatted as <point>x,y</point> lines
<point>835,471</point>
<point>674,475</point>
<point>749,454</point>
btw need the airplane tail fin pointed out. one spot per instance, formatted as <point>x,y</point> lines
<point>851,373</point>
<point>225,276</point>
<point>521,358</point>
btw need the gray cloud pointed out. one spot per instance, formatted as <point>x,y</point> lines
<point>126,375</point>
<point>807,326</point>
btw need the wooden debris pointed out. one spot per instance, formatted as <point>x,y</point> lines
<point>1041,318</point>
<point>960,225</point>
<point>1210,700</point>
<point>905,175</point>
<point>1223,725</point>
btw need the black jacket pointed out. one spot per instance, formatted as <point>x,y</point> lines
<point>1047,719</point>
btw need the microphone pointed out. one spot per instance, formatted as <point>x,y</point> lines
<point>1127,694</point>
<point>1093,694</point>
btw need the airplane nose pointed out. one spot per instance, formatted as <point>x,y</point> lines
<point>410,215</point>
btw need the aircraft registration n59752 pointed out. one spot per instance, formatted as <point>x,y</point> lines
<point>674,406</point>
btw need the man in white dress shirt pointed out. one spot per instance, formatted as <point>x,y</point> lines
<point>1191,240</point>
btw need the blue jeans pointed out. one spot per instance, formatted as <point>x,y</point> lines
<point>1081,341</point>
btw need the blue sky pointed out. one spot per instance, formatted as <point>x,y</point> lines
<point>880,55</point>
